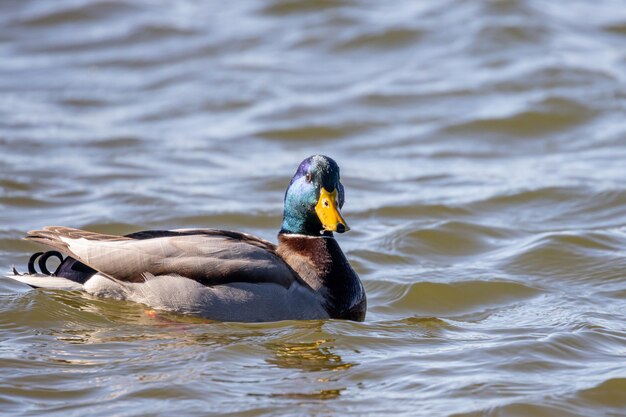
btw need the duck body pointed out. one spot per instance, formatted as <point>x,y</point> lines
<point>225,275</point>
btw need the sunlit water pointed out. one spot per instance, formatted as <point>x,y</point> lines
<point>483,150</point>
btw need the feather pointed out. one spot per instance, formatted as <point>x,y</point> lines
<point>210,257</point>
<point>46,281</point>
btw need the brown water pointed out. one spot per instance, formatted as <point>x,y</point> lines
<point>483,150</point>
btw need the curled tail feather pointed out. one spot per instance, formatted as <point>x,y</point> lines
<point>43,259</point>
<point>69,268</point>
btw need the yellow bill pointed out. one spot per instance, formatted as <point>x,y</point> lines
<point>328,212</point>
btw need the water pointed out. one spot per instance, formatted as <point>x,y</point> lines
<point>482,146</point>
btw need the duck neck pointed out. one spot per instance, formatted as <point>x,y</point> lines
<point>301,224</point>
<point>320,262</point>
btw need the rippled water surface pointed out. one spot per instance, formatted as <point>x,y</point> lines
<point>483,150</point>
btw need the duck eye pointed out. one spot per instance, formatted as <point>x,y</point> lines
<point>309,177</point>
<point>326,203</point>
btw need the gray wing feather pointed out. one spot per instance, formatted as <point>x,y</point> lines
<point>211,257</point>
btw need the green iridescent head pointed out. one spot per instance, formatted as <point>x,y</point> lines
<point>314,198</point>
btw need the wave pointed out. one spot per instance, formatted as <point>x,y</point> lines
<point>437,299</point>
<point>549,115</point>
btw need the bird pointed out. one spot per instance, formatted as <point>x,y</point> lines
<point>218,274</point>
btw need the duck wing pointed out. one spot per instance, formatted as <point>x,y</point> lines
<point>208,256</point>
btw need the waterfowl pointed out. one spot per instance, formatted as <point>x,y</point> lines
<point>219,274</point>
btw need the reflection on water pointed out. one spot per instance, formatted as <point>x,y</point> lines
<point>316,357</point>
<point>325,394</point>
<point>308,356</point>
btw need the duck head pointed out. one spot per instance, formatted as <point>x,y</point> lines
<point>314,199</point>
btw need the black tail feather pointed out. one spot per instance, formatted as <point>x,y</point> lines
<point>31,262</point>
<point>42,258</point>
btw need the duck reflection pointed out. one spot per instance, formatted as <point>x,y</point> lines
<point>315,356</point>
<point>312,356</point>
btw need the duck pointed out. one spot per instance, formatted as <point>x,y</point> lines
<point>218,274</point>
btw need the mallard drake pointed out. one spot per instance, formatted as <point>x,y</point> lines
<point>218,274</point>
